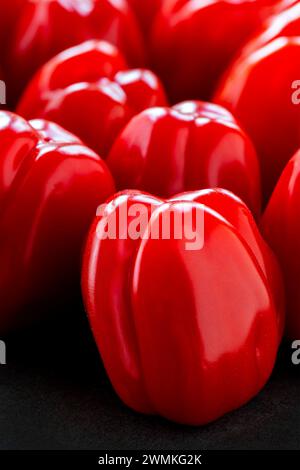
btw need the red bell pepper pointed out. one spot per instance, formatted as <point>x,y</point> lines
<point>191,146</point>
<point>47,27</point>
<point>194,41</point>
<point>72,91</point>
<point>258,89</point>
<point>281,227</point>
<point>50,187</point>
<point>285,23</point>
<point>186,334</point>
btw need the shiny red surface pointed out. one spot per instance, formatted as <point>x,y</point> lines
<point>50,187</point>
<point>285,23</point>
<point>89,91</point>
<point>194,41</point>
<point>191,146</point>
<point>188,335</point>
<point>281,227</point>
<point>258,90</point>
<point>47,27</point>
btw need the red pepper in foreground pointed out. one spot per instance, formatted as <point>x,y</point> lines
<point>190,146</point>
<point>50,187</point>
<point>89,91</point>
<point>193,41</point>
<point>46,28</point>
<point>189,334</point>
<point>281,227</point>
<point>261,90</point>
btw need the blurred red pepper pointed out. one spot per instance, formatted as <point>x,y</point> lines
<point>281,227</point>
<point>45,28</point>
<point>259,89</point>
<point>285,23</point>
<point>72,91</point>
<point>50,187</point>
<point>191,146</point>
<point>188,334</point>
<point>146,11</point>
<point>194,41</point>
<point>11,10</point>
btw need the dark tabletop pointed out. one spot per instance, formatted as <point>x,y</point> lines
<point>54,394</point>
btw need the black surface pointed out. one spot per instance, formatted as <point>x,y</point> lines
<point>54,394</point>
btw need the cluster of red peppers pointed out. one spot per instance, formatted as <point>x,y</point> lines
<point>184,108</point>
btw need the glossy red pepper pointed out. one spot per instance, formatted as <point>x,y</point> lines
<point>188,335</point>
<point>190,146</point>
<point>88,90</point>
<point>259,89</point>
<point>281,227</point>
<point>285,23</point>
<point>50,187</point>
<point>194,41</point>
<point>47,27</point>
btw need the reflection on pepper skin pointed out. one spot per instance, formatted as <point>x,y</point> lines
<point>258,89</point>
<point>188,335</point>
<point>190,146</point>
<point>89,90</point>
<point>281,228</point>
<point>193,42</point>
<point>42,29</point>
<point>50,187</point>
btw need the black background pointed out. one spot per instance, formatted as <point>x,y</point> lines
<point>54,395</point>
